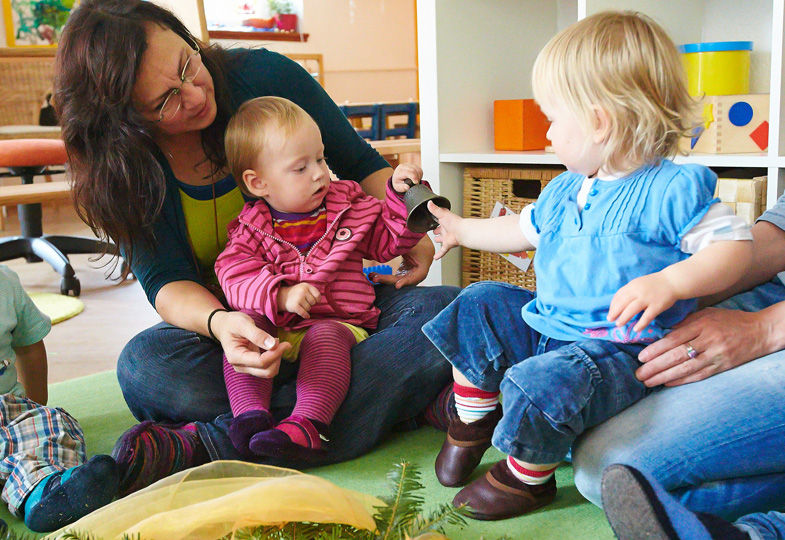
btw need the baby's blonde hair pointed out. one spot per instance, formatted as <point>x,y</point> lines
<point>624,63</point>
<point>250,127</point>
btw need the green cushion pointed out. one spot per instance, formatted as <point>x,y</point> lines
<point>96,401</point>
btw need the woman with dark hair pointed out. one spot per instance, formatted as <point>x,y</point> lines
<point>144,106</point>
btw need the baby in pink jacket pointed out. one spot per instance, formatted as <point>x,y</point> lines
<point>294,262</point>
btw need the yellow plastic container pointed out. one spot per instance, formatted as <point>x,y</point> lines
<point>718,68</point>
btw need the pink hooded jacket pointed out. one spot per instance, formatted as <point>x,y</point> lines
<point>256,262</point>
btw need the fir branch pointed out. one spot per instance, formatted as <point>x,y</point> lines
<point>402,507</point>
<point>303,531</point>
<point>79,535</point>
<point>444,514</point>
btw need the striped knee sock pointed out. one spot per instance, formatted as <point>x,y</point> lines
<point>474,404</point>
<point>528,476</point>
<point>246,392</point>
<point>325,371</point>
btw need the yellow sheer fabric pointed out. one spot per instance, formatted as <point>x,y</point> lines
<point>216,499</point>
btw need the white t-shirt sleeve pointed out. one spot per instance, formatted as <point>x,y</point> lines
<point>526,225</point>
<point>719,224</point>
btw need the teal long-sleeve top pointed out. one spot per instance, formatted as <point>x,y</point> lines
<point>253,73</point>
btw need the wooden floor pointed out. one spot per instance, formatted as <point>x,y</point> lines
<point>114,312</point>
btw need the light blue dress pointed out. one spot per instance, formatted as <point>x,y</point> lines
<point>628,228</point>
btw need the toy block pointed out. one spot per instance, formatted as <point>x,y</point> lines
<point>518,124</point>
<point>735,124</point>
<point>745,196</point>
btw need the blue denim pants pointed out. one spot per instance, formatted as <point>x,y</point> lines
<point>763,526</point>
<point>716,444</point>
<point>552,390</point>
<point>168,374</point>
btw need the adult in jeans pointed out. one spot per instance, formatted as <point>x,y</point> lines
<point>714,437</point>
<point>144,106</point>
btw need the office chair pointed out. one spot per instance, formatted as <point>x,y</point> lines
<point>27,158</point>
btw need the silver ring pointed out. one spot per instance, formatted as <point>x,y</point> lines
<point>691,352</point>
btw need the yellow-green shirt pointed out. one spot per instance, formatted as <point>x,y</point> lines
<point>206,218</point>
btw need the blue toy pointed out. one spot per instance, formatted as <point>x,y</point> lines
<point>383,269</point>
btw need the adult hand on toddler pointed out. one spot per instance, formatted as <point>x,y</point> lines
<point>403,172</point>
<point>651,294</point>
<point>447,234</point>
<point>298,299</point>
<point>722,339</point>
<point>247,348</point>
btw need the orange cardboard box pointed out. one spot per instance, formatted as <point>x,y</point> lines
<point>518,124</point>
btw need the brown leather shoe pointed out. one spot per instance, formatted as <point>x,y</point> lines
<point>499,495</point>
<point>464,446</point>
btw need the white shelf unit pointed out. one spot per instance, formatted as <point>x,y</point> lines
<point>472,53</point>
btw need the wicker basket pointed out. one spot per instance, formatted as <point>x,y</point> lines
<point>514,187</point>
<point>25,82</point>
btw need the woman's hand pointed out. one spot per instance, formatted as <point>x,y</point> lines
<point>720,338</point>
<point>413,268</point>
<point>248,348</point>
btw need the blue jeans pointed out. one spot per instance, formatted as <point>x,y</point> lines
<point>553,390</point>
<point>769,526</point>
<point>168,374</point>
<point>716,445</point>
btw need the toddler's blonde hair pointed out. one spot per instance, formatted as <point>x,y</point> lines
<point>624,63</point>
<point>250,127</point>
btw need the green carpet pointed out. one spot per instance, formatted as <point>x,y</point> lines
<point>97,403</point>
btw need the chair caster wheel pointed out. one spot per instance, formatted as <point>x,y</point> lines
<point>70,285</point>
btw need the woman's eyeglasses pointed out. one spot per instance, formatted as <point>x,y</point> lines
<point>173,102</point>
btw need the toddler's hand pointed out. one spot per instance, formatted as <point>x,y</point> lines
<point>652,294</point>
<point>298,299</point>
<point>403,172</point>
<point>447,234</point>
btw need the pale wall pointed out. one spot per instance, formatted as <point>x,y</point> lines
<point>368,46</point>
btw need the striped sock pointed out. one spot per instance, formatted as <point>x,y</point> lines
<point>325,371</point>
<point>474,404</point>
<point>246,392</point>
<point>528,476</point>
<point>148,452</point>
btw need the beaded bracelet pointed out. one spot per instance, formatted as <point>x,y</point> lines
<point>209,320</point>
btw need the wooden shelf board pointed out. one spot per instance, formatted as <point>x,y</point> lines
<point>547,158</point>
<point>258,36</point>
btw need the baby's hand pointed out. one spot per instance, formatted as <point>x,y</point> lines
<point>298,299</point>
<point>652,294</point>
<point>447,234</point>
<point>403,172</point>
